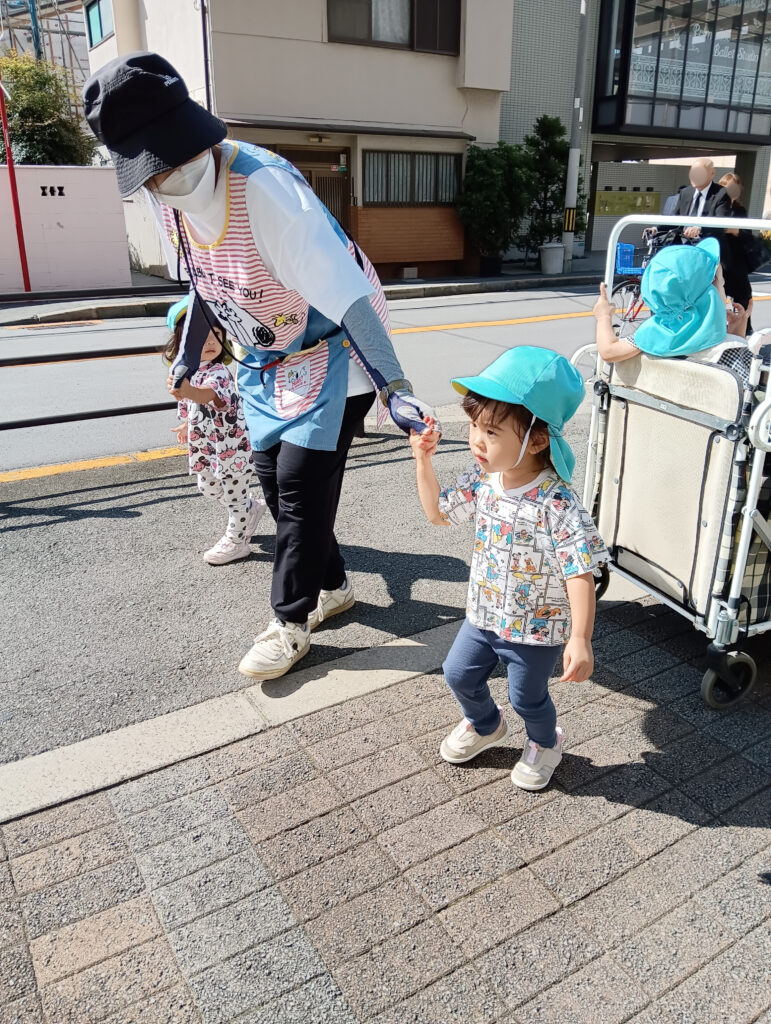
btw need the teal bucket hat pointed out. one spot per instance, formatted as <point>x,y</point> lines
<point>176,312</point>
<point>541,380</point>
<point>688,314</point>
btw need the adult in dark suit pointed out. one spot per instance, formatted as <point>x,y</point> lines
<point>703,198</point>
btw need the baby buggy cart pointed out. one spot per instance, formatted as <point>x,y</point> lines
<point>677,479</point>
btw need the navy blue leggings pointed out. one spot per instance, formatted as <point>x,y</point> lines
<point>470,663</point>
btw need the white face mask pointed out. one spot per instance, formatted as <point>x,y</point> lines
<point>190,187</point>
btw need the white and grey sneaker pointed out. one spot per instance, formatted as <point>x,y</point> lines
<point>536,766</point>
<point>331,603</point>
<point>464,742</point>
<point>226,550</point>
<point>276,650</point>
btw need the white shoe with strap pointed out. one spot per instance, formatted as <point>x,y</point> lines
<point>331,603</point>
<point>535,768</point>
<point>464,742</point>
<point>276,650</point>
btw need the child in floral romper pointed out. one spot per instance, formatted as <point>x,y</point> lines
<point>531,594</point>
<point>219,452</point>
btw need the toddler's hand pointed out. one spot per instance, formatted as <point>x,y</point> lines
<point>603,307</point>
<point>578,661</point>
<point>181,431</point>
<point>737,318</point>
<point>424,445</point>
<point>178,392</point>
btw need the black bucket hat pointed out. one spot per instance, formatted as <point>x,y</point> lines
<point>139,107</point>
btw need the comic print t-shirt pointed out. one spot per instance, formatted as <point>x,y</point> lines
<point>528,542</point>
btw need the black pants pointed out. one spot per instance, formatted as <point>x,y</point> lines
<point>302,489</point>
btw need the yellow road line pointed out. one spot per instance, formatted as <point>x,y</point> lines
<point>34,472</point>
<point>491,323</point>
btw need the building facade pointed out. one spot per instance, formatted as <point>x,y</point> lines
<point>374,100</point>
<point>664,81</point>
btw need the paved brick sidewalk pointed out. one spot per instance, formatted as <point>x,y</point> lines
<point>334,870</point>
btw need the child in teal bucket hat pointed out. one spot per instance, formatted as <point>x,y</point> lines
<point>691,315</point>
<point>531,591</point>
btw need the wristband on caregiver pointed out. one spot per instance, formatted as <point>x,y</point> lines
<point>402,384</point>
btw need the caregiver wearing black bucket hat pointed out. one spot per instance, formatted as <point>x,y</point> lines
<point>270,265</point>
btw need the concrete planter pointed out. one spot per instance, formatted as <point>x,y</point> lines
<point>552,257</point>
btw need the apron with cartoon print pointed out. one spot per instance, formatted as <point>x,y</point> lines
<point>293,379</point>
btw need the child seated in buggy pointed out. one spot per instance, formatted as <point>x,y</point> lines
<point>691,315</point>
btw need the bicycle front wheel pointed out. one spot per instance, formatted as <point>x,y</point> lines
<point>630,308</point>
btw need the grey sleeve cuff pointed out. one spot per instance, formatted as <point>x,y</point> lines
<point>370,340</point>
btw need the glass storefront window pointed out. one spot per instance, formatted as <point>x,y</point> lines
<point>672,46</point>
<point>690,66</point>
<point>747,58</point>
<point>727,25</point>
<point>763,90</point>
<point>699,52</point>
<point>645,48</point>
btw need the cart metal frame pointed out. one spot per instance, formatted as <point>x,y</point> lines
<point>732,672</point>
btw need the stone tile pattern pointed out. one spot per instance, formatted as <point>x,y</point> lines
<point>336,870</point>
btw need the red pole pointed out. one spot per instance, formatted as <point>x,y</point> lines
<point>14,192</point>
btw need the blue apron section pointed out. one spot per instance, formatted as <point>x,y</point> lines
<point>319,426</point>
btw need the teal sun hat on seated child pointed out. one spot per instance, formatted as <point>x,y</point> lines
<point>541,380</point>
<point>176,312</point>
<point>688,314</point>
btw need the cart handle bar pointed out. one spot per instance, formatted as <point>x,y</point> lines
<point>652,220</point>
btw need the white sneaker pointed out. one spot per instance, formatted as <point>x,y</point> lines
<point>331,603</point>
<point>276,650</point>
<point>226,550</point>
<point>464,742</point>
<point>536,766</point>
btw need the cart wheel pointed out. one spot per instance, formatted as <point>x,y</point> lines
<point>602,582</point>
<point>724,691</point>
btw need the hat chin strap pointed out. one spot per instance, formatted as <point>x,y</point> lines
<point>525,439</point>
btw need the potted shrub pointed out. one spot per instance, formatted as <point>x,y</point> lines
<point>545,152</point>
<point>493,199</point>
